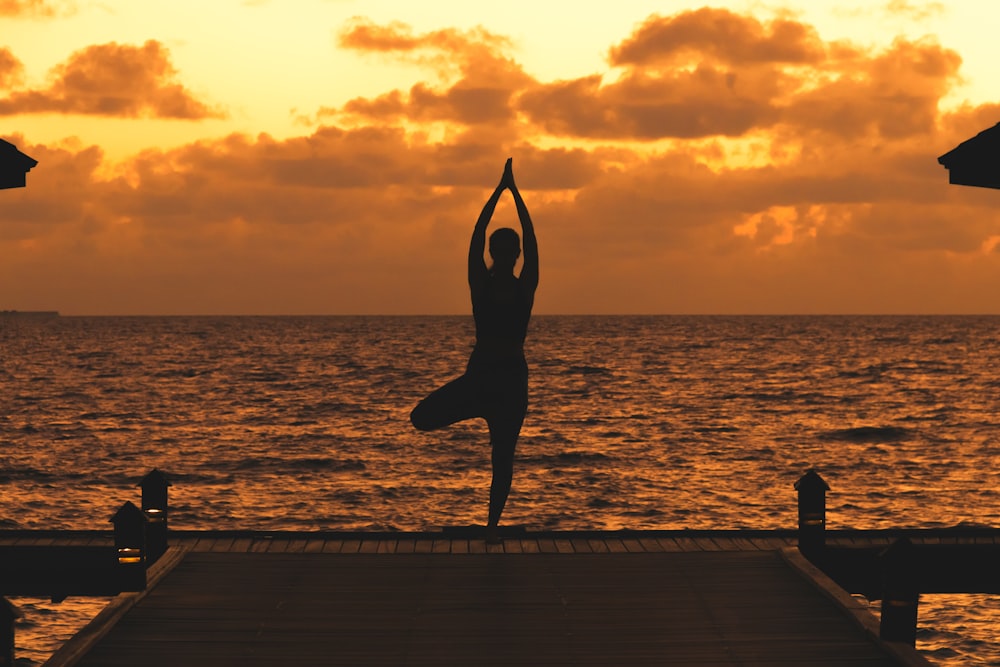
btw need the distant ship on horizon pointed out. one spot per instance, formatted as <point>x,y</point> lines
<point>29,313</point>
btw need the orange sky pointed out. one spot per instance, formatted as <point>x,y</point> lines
<point>331,156</point>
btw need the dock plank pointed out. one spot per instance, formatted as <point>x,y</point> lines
<point>599,545</point>
<point>350,546</point>
<point>314,546</point>
<point>564,546</point>
<point>530,546</point>
<point>547,546</point>
<point>512,546</point>
<point>332,546</point>
<point>651,544</point>
<point>241,544</point>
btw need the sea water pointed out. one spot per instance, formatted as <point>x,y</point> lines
<point>301,423</point>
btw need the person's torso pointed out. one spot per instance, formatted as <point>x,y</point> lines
<point>501,309</point>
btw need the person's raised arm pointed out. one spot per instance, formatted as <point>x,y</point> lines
<point>529,270</point>
<point>477,246</point>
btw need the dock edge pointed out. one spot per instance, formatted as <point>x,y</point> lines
<point>87,637</point>
<point>853,608</point>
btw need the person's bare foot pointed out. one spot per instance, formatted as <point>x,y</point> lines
<point>493,535</point>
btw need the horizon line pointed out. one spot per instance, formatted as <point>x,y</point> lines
<point>544,314</point>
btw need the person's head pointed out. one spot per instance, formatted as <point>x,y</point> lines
<point>505,248</point>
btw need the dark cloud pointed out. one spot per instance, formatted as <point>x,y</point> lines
<point>703,102</point>
<point>113,80</point>
<point>719,35</point>
<point>466,103</point>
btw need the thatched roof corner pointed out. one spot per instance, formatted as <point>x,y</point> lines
<point>14,166</point>
<point>975,161</point>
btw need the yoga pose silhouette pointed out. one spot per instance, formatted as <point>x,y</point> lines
<point>495,384</point>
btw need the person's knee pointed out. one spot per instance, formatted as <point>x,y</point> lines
<point>419,419</point>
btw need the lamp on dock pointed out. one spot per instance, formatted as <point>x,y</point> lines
<point>155,507</point>
<point>130,540</point>
<point>812,511</point>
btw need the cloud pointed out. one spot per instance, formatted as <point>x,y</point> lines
<point>746,77</point>
<point>918,12</point>
<point>336,221</point>
<point>364,35</point>
<point>27,9</point>
<point>734,183</point>
<point>376,220</point>
<point>463,103</point>
<point>703,102</point>
<point>113,80</point>
<point>894,93</point>
<point>694,74</point>
<point>913,11</point>
<point>718,35</point>
<point>11,69</point>
<point>486,78</point>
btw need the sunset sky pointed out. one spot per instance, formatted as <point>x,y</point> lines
<point>331,156</point>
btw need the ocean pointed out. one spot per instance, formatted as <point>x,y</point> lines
<point>301,423</point>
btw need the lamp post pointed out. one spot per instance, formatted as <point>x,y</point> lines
<point>900,592</point>
<point>130,543</point>
<point>155,507</point>
<point>812,511</point>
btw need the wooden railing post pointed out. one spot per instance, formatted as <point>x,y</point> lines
<point>8,615</point>
<point>900,593</point>
<point>130,543</point>
<point>155,507</point>
<point>812,512</point>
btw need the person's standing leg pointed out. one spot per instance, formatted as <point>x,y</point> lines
<point>504,431</point>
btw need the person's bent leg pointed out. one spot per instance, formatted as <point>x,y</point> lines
<point>451,403</point>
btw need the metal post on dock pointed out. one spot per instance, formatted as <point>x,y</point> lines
<point>154,506</point>
<point>900,593</point>
<point>812,511</point>
<point>130,542</point>
<point>8,615</point>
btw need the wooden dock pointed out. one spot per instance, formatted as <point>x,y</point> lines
<point>571,598</point>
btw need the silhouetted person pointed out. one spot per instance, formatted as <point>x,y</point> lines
<point>495,383</point>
